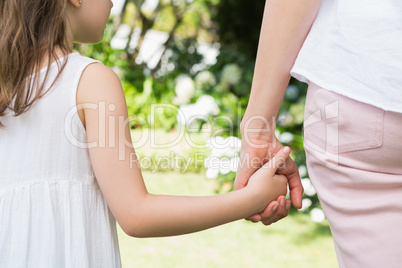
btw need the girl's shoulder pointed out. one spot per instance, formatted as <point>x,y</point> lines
<point>98,83</point>
<point>96,73</point>
<point>76,58</point>
<point>91,72</point>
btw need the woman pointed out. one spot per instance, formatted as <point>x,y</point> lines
<point>349,52</point>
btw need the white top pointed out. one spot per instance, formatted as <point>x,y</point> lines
<point>52,212</point>
<point>354,48</point>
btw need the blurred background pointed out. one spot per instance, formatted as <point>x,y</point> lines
<point>186,67</point>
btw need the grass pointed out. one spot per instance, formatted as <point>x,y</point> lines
<point>295,241</point>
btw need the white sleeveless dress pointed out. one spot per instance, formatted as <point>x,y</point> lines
<point>52,212</point>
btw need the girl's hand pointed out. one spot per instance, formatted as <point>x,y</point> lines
<point>264,147</point>
<point>265,183</point>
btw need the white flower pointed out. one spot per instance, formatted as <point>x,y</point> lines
<point>233,145</point>
<point>180,100</point>
<point>308,187</point>
<point>200,110</point>
<point>120,39</point>
<point>149,6</point>
<point>212,173</point>
<point>210,141</point>
<point>285,120</point>
<point>216,166</point>
<point>205,78</point>
<point>207,161</point>
<point>212,164</point>
<point>234,163</point>
<point>216,144</point>
<point>213,142</point>
<point>224,166</point>
<point>317,215</point>
<point>208,104</point>
<point>234,142</point>
<point>306,203</point>
<point>224,155</point>
<point>229,147</point>
<point>231,152</point>
<point>231,74</point>
<point>302,170</point>
<point>184,89</point>
<point>286,137</point>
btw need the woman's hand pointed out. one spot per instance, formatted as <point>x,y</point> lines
<point>258,148</point>
<point>285,25</point>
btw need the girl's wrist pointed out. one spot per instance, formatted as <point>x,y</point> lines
<point>255,198</point>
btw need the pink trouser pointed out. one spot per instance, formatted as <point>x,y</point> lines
<point>354,160</point>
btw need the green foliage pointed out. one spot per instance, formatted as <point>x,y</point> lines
<point>239,24</point>
<point>184,55</point>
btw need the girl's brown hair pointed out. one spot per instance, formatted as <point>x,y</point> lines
<point>30,30</point>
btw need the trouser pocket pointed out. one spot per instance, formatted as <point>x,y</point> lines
<point>337,124</point>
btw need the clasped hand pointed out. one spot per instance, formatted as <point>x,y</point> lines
<point>261,150</point>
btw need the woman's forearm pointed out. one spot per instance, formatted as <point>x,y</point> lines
<point>285,26</point>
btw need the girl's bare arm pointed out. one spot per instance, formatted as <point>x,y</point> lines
<point>138,212</point>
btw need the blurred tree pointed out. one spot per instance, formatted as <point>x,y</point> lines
<point>239,24</point>
<point>181,19</point>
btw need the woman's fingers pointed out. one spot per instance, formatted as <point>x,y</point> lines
<point>268,217</point>
<point>275,211</point>
<point>254,218</point>
<point>278,161</point>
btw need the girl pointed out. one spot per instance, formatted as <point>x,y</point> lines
<point>65,157</point>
